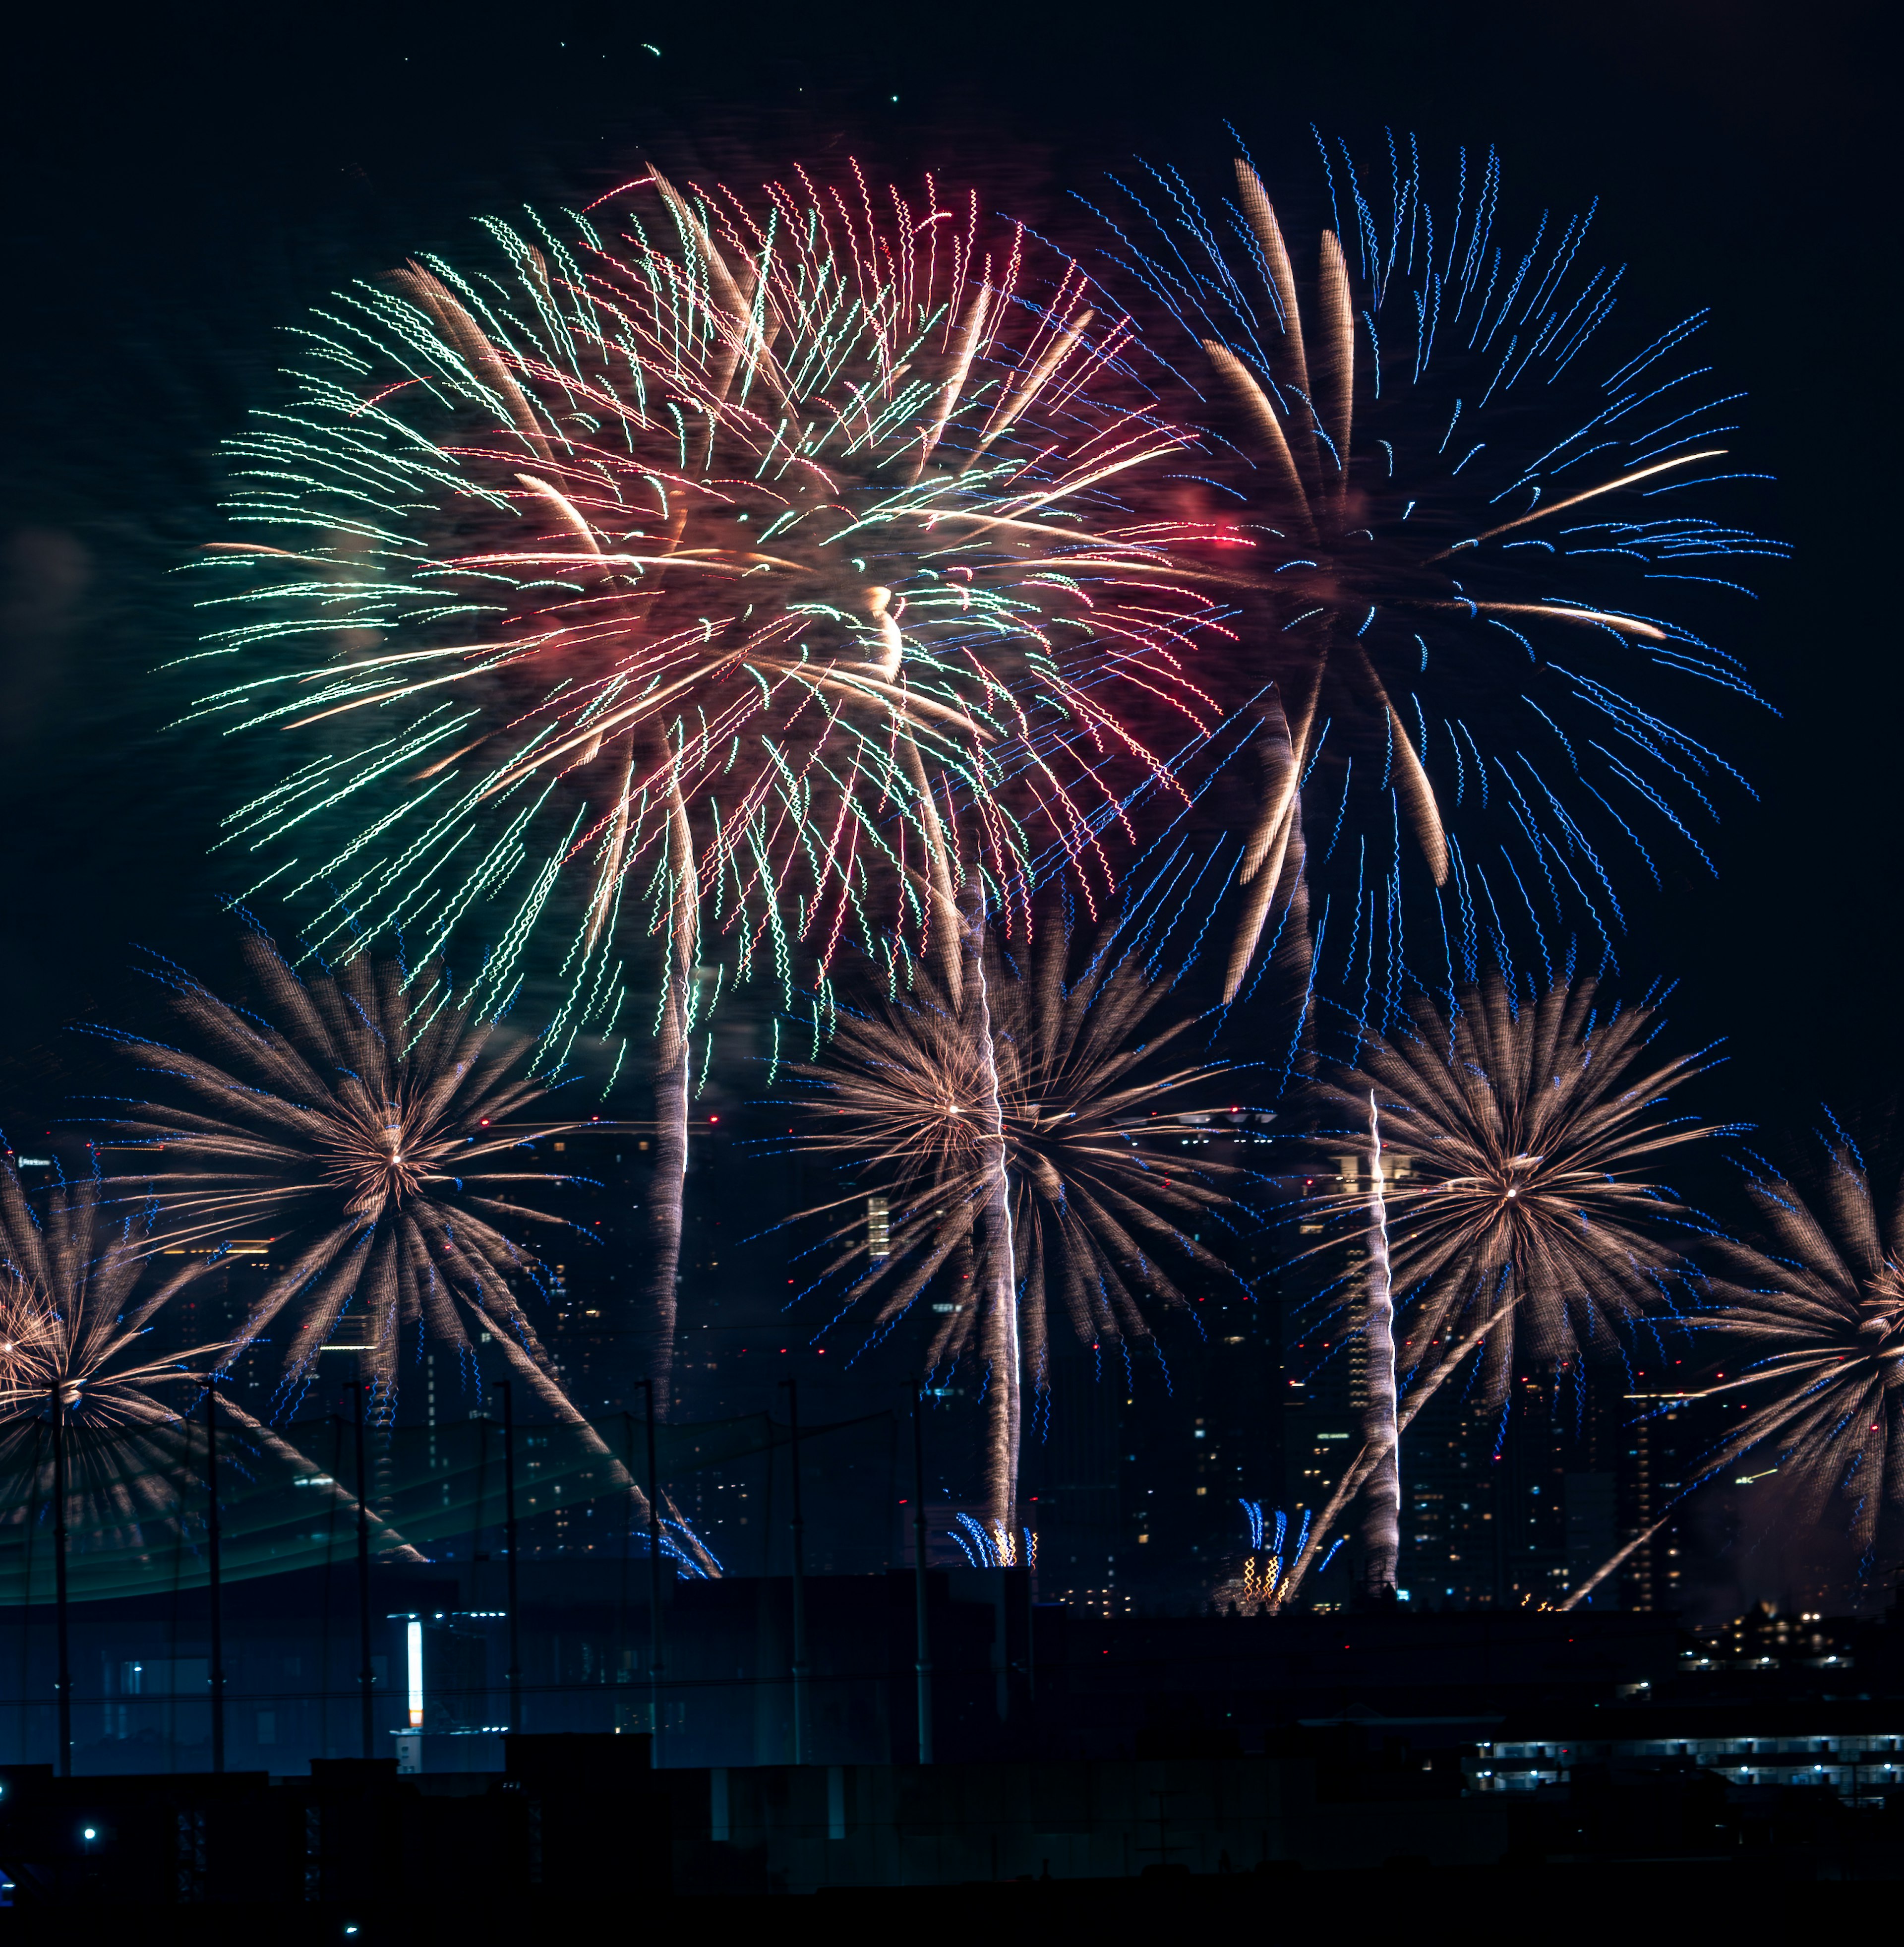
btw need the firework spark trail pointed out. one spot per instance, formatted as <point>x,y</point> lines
<point>695,562</point>
<point>1041,1158</point>
<point>361,1120</point>
<point>1255,1589</point>
<point>672,1053</point>
<point>997,1299</point>
<point>1382,1504</point>
<point>1439,523</point>
<point>1529,1221</point>
<point>1576,1596</point>
<point>1424,1384</point>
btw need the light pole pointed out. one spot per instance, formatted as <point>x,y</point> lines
<point>214,1577</point>
<point>628,1529</point>
<point>654,1580</point>
<point>509,1548</point>
<point>366,1674</point>
<point>923,1664</point>
<point>64,1681</point>
<point>799,1578</point>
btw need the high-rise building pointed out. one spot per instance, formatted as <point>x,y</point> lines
<point>1515,1505</point>
<point>1073,1478</point>
<point>1324,1386</point>
<point>1656,1454</point>
<point>1505,1506</point>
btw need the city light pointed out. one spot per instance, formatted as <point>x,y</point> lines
<point>413,1658</point>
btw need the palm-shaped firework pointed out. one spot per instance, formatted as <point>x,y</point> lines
<point>1528,1222</point>
<point>690,563</point>
<point>93,1421</point>
<point>372,1125</point>
<point>82,1390</point>
<point>1471,523</point>
<point>1028,1138</point>
<point>77,1305</point>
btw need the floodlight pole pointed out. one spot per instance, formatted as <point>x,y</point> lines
<point>64,1683</point>
<point>514,1675</point>
<point>799,1578</point>
<point>214,1577</point>
<point>367,1672</point>
<point>923,1664</point>
<point>627,1528</point>
<point>655,1647</point>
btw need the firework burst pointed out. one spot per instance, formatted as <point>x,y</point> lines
<point>77,1301</point>
<point>1027,1141</point>
<point>370,1125</point>
<point>1470,525</point>
<point>1820,1315</point>
<point>1254,1581</point>
<point>1530,1132</point>
<point>88,1407</point>
<point>702,560</point>
<point>1528,1220</point>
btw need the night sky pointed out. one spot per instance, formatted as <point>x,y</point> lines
<point>181,186</point>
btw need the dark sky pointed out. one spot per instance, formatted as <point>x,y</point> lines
<point>179,182</point>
